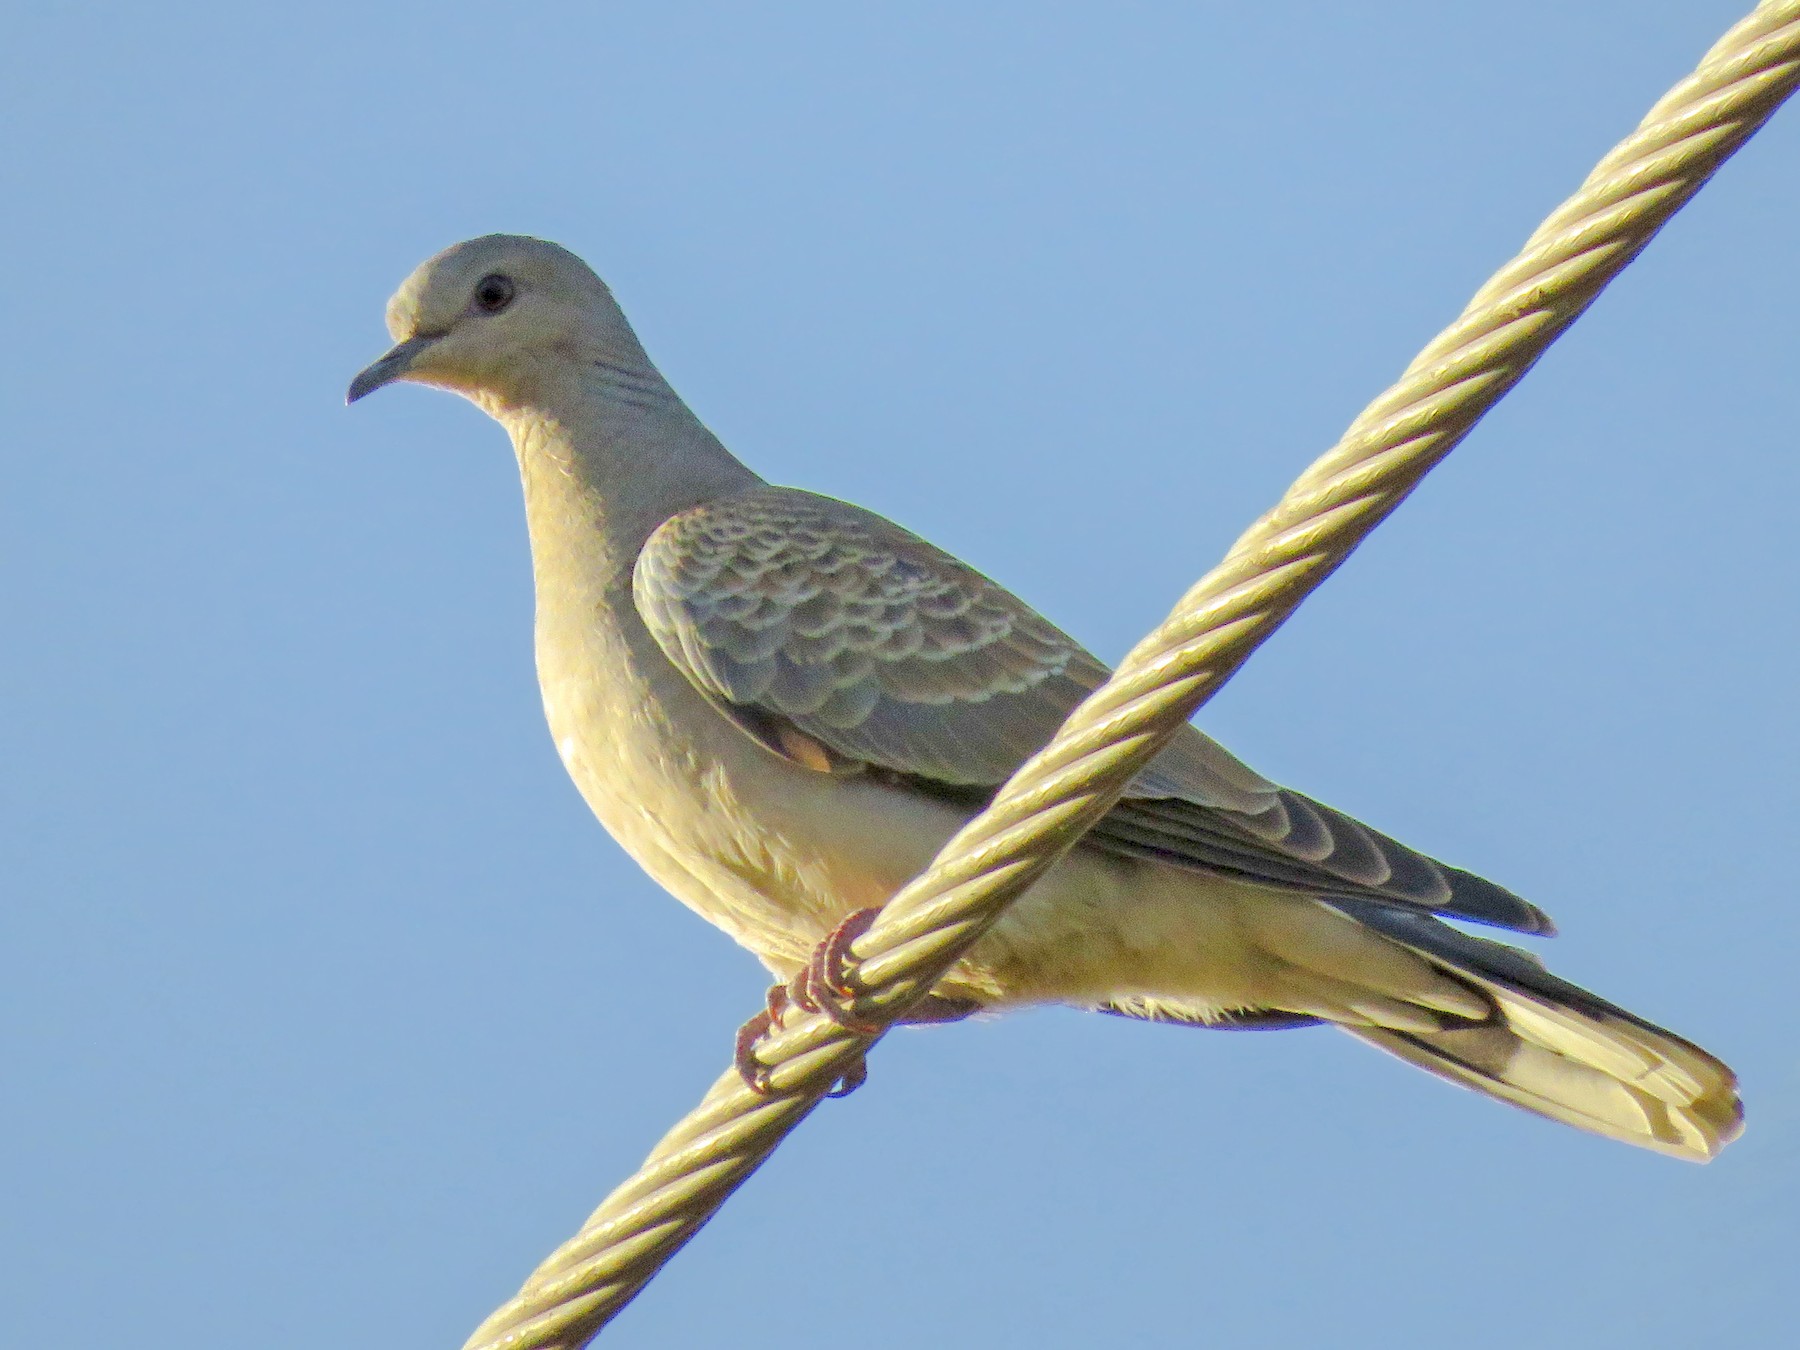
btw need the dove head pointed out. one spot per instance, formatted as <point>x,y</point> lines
<point>498,318</point>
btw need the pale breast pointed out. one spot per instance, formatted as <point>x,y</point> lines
<point>738,835</point>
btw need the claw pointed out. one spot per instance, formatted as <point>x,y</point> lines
<point>830,959</point>
<point>828,986</point>
<point>854,1077</point>
<point>754,1072</point>
<point>751,1069</point>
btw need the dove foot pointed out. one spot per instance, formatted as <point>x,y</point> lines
<point>755,1073</point>
<point>826,985</point>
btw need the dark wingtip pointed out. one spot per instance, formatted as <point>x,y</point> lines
<point>1481,901</point>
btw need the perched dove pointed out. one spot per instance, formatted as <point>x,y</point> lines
<point>783,705</point>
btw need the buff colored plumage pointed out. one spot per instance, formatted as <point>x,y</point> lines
<point>782,705</point>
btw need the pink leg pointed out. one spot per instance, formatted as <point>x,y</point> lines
<point>826,985</point>
<point>755,1073</point>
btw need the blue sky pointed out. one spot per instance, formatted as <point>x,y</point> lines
<point>328,1010</point>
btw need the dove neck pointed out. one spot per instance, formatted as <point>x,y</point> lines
<point>601,472</point>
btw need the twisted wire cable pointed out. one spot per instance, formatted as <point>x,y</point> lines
<point>1043,811</point>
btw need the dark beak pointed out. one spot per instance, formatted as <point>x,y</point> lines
<point>390,367</point>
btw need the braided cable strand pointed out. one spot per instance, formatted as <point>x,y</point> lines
<point>1069,785</point>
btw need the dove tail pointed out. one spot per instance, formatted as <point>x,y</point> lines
<point>1555,1049</point>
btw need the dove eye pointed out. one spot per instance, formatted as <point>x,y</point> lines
<point>493,293</point>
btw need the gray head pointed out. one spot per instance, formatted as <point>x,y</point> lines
<point>494,318</point>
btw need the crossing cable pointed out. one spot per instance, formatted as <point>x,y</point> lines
<point>1064,789</point>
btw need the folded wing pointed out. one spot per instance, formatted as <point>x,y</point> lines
<point>847,644</point>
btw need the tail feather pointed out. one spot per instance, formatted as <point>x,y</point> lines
<point>1555,1049</point>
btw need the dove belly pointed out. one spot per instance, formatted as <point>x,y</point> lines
<point>776,854</point>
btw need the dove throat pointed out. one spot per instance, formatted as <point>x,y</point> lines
<point>606,455</point>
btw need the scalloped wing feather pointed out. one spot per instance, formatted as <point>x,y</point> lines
<point>866,638</point>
